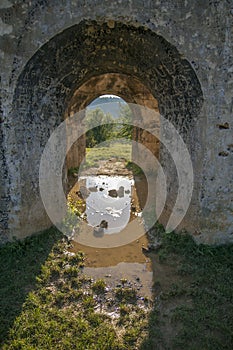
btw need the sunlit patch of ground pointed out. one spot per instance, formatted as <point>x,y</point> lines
<point>47,302</point>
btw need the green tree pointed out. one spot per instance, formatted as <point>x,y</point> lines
<point>102,132</point>
<point>125,117</point>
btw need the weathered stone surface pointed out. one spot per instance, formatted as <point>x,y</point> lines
<point>180,51</point>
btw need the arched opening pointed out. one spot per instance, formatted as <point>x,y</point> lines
<point>107,111</point>
<point>104,180</point>
<point>104,188</point>
<point>133,92</point>
<point>126,86</point>
<point>72,69</point>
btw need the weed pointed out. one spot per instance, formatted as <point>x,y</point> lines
<point>99,286</point>
<point>123,281</point>
<point>126,295</point>
<point>124,310</point>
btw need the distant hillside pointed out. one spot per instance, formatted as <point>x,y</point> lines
<point>108,105</point>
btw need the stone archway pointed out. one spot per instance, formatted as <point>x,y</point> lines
<point>130,89</point>
<point>59,68</point>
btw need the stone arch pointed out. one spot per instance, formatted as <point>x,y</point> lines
<point>125,86</point>
<point>61,66</point>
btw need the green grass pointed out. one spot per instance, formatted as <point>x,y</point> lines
<point>105,151</point>
<point>20,263</point>
<point>46,302</point>
<point>199,306</point>
<point>110,149</point>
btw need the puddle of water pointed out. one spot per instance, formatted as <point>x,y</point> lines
<point>113,199</point>
<point>111,213</point>
<point>103,257</point>
<point>137,275</point>
<point>126,261</point>
<point>109,200</point>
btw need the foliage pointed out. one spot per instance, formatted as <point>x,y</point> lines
<point>99,286</point>
<point>71,221</point>
<point>126,294</point>
<point>102,127</point>
<point>100,133</point>
<point>125,118</point>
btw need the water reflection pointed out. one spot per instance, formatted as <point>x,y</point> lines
<point>113,200</point>
<point>125,262</point>
<point>109,201</point>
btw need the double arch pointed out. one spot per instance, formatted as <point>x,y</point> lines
<point>95,54</point>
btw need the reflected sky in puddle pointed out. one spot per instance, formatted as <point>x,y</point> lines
<point>103,205</point>
<point>126,261</point>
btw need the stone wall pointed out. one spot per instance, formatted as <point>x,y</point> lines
<point>181,51</point>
